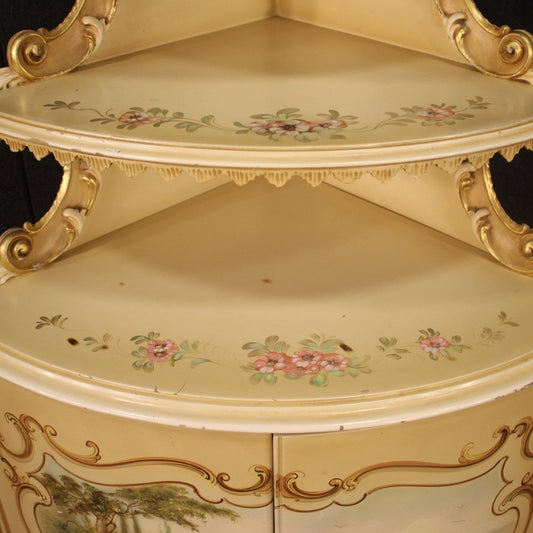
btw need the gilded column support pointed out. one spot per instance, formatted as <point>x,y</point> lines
<point>34,245</point>
<point>509,242</point>
<point>498,51</point>
<point>40,54</point>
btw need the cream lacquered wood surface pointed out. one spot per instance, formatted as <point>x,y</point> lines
<point>260,358</point>
<point>208,84</point>
<point>211,272</point>
<point>434,338</point>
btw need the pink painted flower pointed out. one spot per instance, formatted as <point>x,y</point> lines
<point>280,127</point>
<point>304,362</point>
<point>435,114</point>
<point>270,362</point>
<point>334,361</point>
<point>138,118</point>
<point>159,351</point>
<point>433,345</point>
<point>329,124</point>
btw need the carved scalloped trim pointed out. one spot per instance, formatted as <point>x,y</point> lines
<point>40,54</point>
<point>277,177</point>
<point>507,241</point>
<point>498,51</point>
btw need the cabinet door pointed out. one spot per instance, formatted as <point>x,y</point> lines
<point>66,468</point>
<point>466,471</point>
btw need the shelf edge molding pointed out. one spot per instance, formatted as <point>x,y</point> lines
<point>35,55</point>
<point>506,240</point>
<point>29,248</point>
<point>495,50</point>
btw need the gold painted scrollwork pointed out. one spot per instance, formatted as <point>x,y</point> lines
<point>516,494</point>
<point>28,429</point>
<point>42,53</point>
<point>34,245</point>
<point>498,51</point>
<point>509,242</point>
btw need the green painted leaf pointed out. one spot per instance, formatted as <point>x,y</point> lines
<point>256,378</point>
<point>270,378</point>
<point>253,346</point>
<point>200,361</point>
<point>330,346</point>
<point>319,380</point>
<point>191,128</point>
<point>292,376</point>
<point>353,372</point>
<point>208,119</point>
<point>137,364</point>
<point>148,367</point>
<point>337,373</point>
<point>264,116</point>
<point>287,111</point>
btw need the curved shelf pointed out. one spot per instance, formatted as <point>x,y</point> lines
<point>275,96</point>
<point>280,327</point>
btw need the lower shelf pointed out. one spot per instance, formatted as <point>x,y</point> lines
<point>280,358</point>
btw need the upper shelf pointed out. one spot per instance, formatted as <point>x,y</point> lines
<point>272,95</point>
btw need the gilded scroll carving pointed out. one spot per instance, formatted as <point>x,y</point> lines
<point>498,51</point>
<point>42,53</point>
<point>509,242</point>
<point>34,245</point>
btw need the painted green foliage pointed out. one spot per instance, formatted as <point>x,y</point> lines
<point>80,507</point>
<point>286,123</point>
<point>318,358</point>
<point>150,350</point>
<point>435,345</point>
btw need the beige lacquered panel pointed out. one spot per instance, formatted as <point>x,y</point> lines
<point>414,24</point>
<point>126,475</point>
<point>467,471</point>
<point>430,198</point>
<point>138,24</point>
<point>275,94</point>
<point>123,200</point>
<point>250,308</point>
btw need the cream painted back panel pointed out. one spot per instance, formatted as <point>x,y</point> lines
<point>414,24</point>
<point>139,24</point>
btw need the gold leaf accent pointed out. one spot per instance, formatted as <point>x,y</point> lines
<point>498,51</point>
<point>35,245</point>
<point>507,241</point>
<point>40,54</point>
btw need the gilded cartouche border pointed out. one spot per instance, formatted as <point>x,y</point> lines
<point>27,427</point>
<point>290,494</point>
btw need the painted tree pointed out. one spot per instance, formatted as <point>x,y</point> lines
<point>115,511</point>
